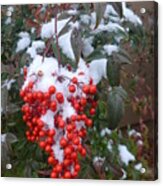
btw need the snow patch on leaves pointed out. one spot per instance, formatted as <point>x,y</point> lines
<point>125,155</point>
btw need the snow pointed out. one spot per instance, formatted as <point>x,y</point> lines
<point>8,21</point>
<point>48,119</point>
<point>23,42</point>
<point>32,51</point>
<point>130,15</point>
<point>124,175</point>
<point>58,152</point>
<point>109,145</point>
<point>125,155</point>
<point>87,46</point>
<point>8,83</point>
<point>48,29</point>
<point>68,110</point>
<point>65,43</point>
<point>97,160</point>
<point>98,69</point>
<point>133,132</point>
<point>72,12</point>
<point>3,137</point>
<point>105,131</point>
<point>109,49</point>
<point>139,167</point>
<point>110,11</point>
<point>110,27</point>
<point>86,19</point>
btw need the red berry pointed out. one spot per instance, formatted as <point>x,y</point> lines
<point>40,95</point>
<point>51,132</point>
<point>72,88</point>
<point>59,97</point>
<point>85,89</point>
<point>83,101</point>
<point>53,175</point>
<point>67,175</point>
<point>41,133</point>
<point>93,89</point>
<point>42,144</point>
<point>59,168</point>
<point>63,142</point>
<point>53,106</point>
<point>48,148</point>
<point>52,90</point>
<point>89,122</point>
<point>76,141</point>
<point>77,167</point>
<point>51,160</point>
<point>67,151</point>
<point>22,93</point>
<point>92,111</point>
<point>74,80</point>
<point>61,124</point>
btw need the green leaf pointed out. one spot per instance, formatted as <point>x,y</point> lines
<point>121,57</point>
<point>113,73</point>
<point>99,9</point>
<point>76,42</point>
<point>11,138</point>
<point>116,106</point>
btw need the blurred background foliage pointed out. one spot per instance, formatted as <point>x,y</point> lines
<point>126,99</point>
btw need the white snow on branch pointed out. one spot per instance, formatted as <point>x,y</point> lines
<point>65,44</point>
<point>98,69</point>
<point>105,131</point>
<point>48,29</point>
<point>8,83</point>
<point>23,42</point>
<point>130,15</point>
<point>125,155</point>
<point>48,118</point>
<point>109,49</point>
<point>110,27</point>
<point>87,46</point>
<point>110,11</point>
<point>35,46</point>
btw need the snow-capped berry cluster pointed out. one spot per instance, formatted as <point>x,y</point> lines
<point>56,100</point>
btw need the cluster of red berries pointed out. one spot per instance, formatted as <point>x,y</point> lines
<point>71,130</point>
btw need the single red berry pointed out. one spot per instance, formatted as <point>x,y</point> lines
<point>85,89</point>
<point>72,88</point>
<point>53,175</point>
<point>93,89</point>
<point>59,97</point>
<point>51,160</point>
<point>58,168</point>
<point>89,122</point>
<point>74,80</point>
<point>67,175</point>
<point>63,142</point>
<point>92,111</point>
<point>53,106</point>
<point>42,144</point>
<point>77,167</point>
<point>51,132</point>
<point>52,90</point>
